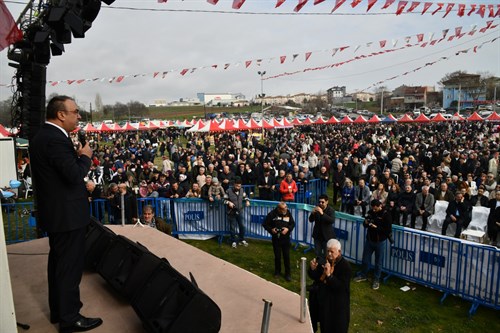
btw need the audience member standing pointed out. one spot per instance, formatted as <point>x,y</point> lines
<point>323,217</point>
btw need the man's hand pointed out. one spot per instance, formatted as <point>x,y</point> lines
<point>313,264</point>
<point>284,231</point>
<point>85,150</point>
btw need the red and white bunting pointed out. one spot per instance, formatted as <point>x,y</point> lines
<point>338,3</point>
<point>370,5</point>
<point>299,6</point>
<point>413,6</point>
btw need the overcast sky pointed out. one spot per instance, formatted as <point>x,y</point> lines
<point>127,42</point>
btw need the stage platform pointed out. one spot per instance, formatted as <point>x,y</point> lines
<point>237,292</point>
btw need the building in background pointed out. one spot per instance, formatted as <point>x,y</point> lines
<point>465,89</point>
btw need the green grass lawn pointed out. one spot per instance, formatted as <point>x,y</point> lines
<point>386,310</point>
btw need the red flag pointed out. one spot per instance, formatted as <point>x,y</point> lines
<point>282,59</point>
<point>212,2</point>
<point>472,9</point>
<point>492,11</point>
<point>427,5</point>
<point>160,1</point>
<point>388,3</point>
<point>238,3</point>
<point>448,9</point>
<point>498,11</point>
<point>401,7</point>
<point>354,3</point>
<point>461,9</point>
<point>248,63</point>
<point>299,6</point>
<point>316,2</point>
<point>481,10</point>
<point>420,37</point>
<point>414,5</point>
<point>120,78</point>
<point>458,31</point>
<point>308,54</point>
<point>382,43</point>
<point>226,66</point>
<point>155,74</point>
<point>9,32</point>
<point>279,3</point>
<point>184,71</point>
<point>338,3</point>
<point>370,4</point>
<point>440,6</point>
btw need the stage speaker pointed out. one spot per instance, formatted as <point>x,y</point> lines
<point>97,240</point>
<point>120,262</point>
<point>170,303</point>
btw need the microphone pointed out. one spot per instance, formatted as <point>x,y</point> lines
<point>82,138</point>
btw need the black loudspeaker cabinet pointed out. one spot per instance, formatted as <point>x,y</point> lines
<point>170,303</point>
<point>119,265</point>
<point>97,240</point>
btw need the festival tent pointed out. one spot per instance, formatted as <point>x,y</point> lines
<point>252,124</point>
<point>90,128</point>
<point>360,120</point>
<point>3,132</point>
<point>129,127</point>
<point>405,119</point>
<point>211,126</point>
<point>307,121</point>
<point>266,125</point>
<point>320,121</point>
<point>474,117</point>
<point>196,127</point>
<point>115,127</point>
<point>457,117</point>
<point>493,117</point>
<point>375,119</point>
<point>296,122</point>
<point>389,119</point>
<point>104,128</point>
<point>283,123</point>
<point>152,126</point>
<point>240,124</point>
<point>346,120</point>
<point>227,125</point>
<point>169,123</point>
<point>422,119</point>
<point>332,120</point>
<point>142,126</point>
<point>287,123</point>
<point>438,118</point>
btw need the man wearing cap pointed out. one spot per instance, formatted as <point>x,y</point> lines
<point>378,224</point>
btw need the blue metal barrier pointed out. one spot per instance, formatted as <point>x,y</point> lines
<point>468,270</point>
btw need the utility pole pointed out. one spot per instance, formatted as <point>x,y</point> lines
<point>382,101</point>
<point>262,95</point>
<point>91,112</point>
<point>459,95</point>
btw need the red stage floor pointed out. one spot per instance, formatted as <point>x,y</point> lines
<point>237,292</point>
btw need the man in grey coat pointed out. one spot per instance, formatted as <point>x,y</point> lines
<point>424,207</point>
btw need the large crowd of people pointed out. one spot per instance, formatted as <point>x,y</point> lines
<point>394,163</point>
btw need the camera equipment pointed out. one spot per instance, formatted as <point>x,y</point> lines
<point>278,232</point>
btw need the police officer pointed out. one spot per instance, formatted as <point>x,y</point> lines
<point>280,223</point>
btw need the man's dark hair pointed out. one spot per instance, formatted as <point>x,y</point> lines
<point>323,196</point>
<point>56,104</point>
<point>375,202</point>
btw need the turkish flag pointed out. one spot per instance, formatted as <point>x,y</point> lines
<point>9,32</point>
<point>427,5</point>
<point>414,5</point>
<point>472,9</point>
<point>282,59</point>
<point>448,9</point>
<point>461,9</point>
<point>440,6</point>
<point>401,7</point>
<point>238,3</point>
<point>212,2</point>
<point>308,54</point>
<point>338,3</point>
<point>279,3</point>
<point>388,3</point>
<point>370,4</point>
<point>481,10</point>
<point>354,3</point>
<point>299,6</point>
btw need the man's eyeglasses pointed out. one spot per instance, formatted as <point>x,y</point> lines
<point>75,111</point>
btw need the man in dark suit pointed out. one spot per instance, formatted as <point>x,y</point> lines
<point>494,219</point>
<point>266,184</point>
<point>457,212</point>
<point>323,217</point>
<point>63,210</point>
<point>424,206</point>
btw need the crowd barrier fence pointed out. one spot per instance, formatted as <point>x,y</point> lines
<point>454,266</point>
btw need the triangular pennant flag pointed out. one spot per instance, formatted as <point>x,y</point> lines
<point>192,70</point>
<point>458,31</point>
<point>357,48</point>
<point>155,74</point>
<point>434,41</point>
<point>343,48</point>
<point>212,2</point>
<point>498,11</point>
<point>308,55</point>
<point>461,9</point>
<point>388,3</point>
<point>445,32</point>
<point>248,63</point>
<point>334,52</point>
<point>279,3</point>
<point>295,57</point>
<point>80,81</point>
<point>448,9</point>
<point>407,39</point>
<point>427,5</point>
<point>370,4</point>
<point>382,43</point>
<point>440,6</point>
<point>424,44</point>
<point>338,3</point>
<point>184,71</point>
<point>354,3</point>
<point>472,9</point>
<point>316,2</point>
<point>401,7</point>
<point>420,38</point>
<point>451,38</point>
<point>282,59</point>
<point>226,66</point>
<point>259,61</point>
<point>160,1</point>
<point>299,6</point>
<point>414,5</point>
<point>9,32</point>
<point>238,3</point>
<point>431,35</point>
<point>481,10</point>
<point>164,74</point>
<point>119,78</point>
<point>488,24</point>
<point>55,83</point>
<point>214,66</point>
<point>394,42</point>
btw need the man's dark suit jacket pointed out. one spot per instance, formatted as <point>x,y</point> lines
<point>58,174</point>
